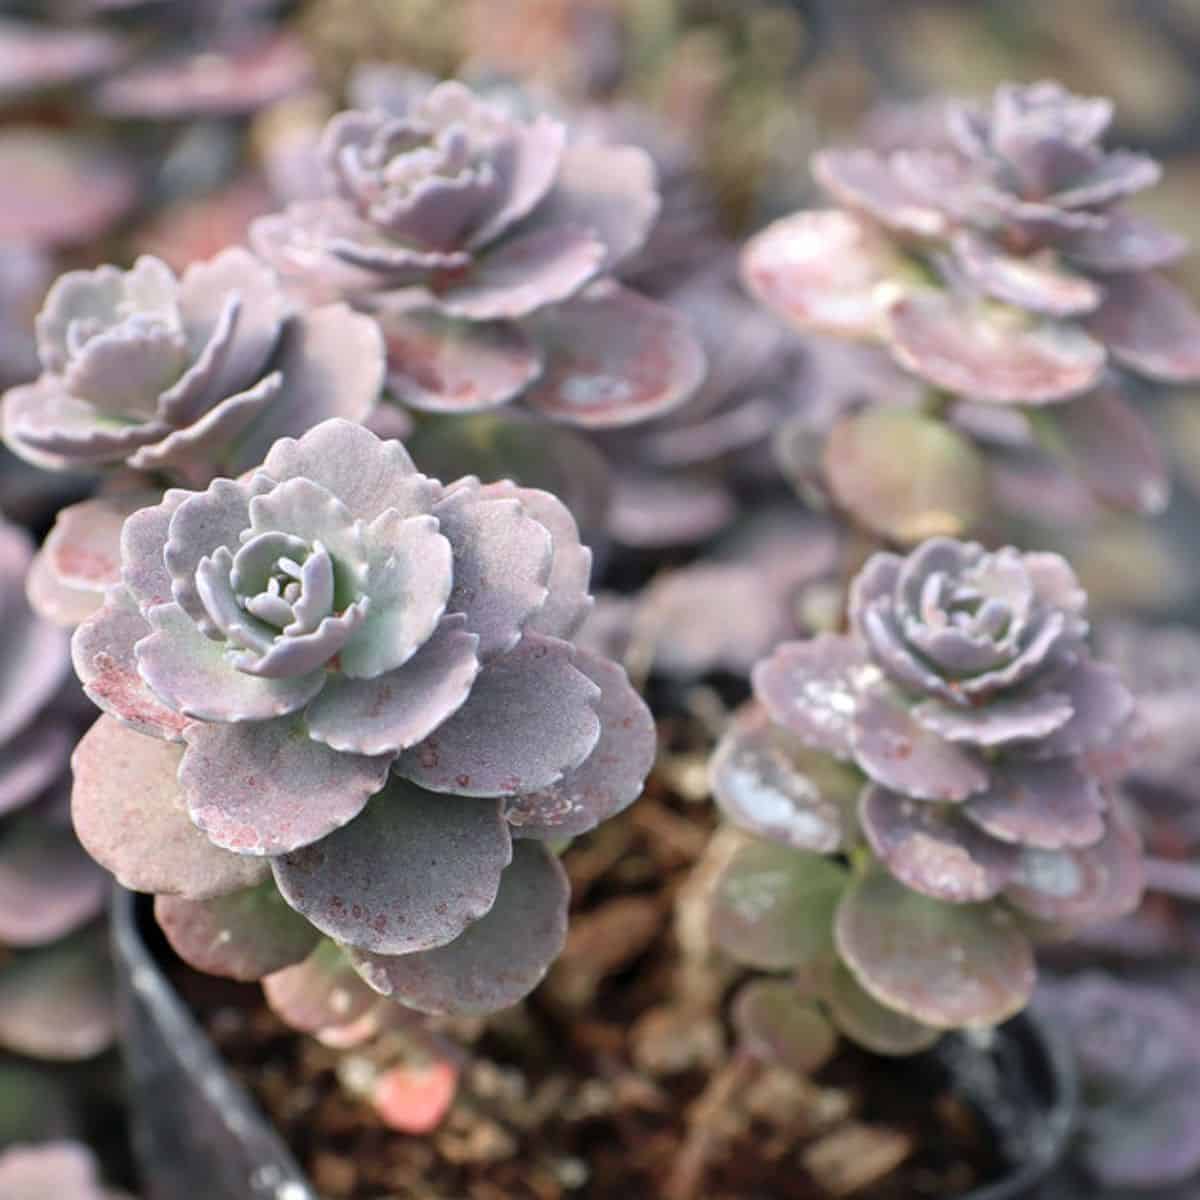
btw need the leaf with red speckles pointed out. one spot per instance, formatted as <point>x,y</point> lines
<point>499,959</point>
<point>409,873</point>
<point>945,965</point>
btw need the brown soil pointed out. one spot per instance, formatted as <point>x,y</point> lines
<point>618,1080</point>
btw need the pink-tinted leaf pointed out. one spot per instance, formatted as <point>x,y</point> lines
<point>414,1099</point>
<point>990,355</point>
<point>499,959</point>
<point>60,191</point>
<point>35,57</point>
<point>821,271</point>
<point>57,1003</point>
<point>56,602</point>
<point>777,1024</point>
<point>62,1170</point>
<point>768,781</point>
<point>1101,705</point>
<point>322,992</point>
<point>933,850</point>
<point>651,511</point>
<point>103,653</point>
<point>244,935</point>
<point>814,688</point>
<point>1034,284</point>
<point>1002,720</point>
<point>897,751</point>
<point>30,763</point>
<point>410,873</point>
<point>264,787</point>
<point>1083,886</point>
<point>773,906</point>
<point>1050,804</point>
<point>254,72</point>
<point>1124,243</point>
<point>866,182</point>
<point>129,814</point>
<point>441,365</point>
<point>864,1020</point>
<point>1111,445</point>
<point>610,778</point>
<point>399,708</point>
<point>1150,326</point>
<point>529,720</point>
<point>944,965</point>
<point>613,358</point>
<point>905,475</point>
<point>48,885</point>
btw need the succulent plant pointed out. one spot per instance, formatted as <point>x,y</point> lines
<point>185,377</point>
<point>483,243</point>
<point>54,1000</point>
<point>1001,269</point>
<point>65,1170</point>
<point>1138,1059</point>
<point>365,716</point>
<point>941,747</point>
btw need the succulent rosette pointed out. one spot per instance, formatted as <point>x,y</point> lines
<point>54,996</point>
<point>366,718</point>
<point>942,745</point>
<point>483,241</point>
<point>1002,268</point>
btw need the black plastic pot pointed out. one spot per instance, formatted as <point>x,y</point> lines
<point>197,1133</point>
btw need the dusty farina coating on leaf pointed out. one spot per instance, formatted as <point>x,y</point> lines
<point>943,744</point>
<point>366,720</point>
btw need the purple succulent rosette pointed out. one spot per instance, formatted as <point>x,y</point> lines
<point>366,720</point>
<point>943,746</point>
<point>1001,268</point>
<point>54,997</point>
<point>185,377</point>
<point>483,242</point>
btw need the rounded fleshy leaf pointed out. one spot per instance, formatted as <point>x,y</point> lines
<point>864,1020</point>
<point>502,561</point>
<point>778,1025</point>
<point>768,781</point>
<point>55,601</point>
<point>129,813</point>
<point>822,272</point>
<point>1032,284</point>
<point>614,358</point>
<point>1050,805</point>
<point>1083,886</point>
<point>652,511</point>
<point>1101,705</point>
<point>773,907</point>
<point>1150,326</point>
<point>244,935</point>
<point>905,475</point>
<point>322,992</point>
<point>411,872</point>
<point>867,183</point>
<point>56,1003</point>
<point>1002,720</point>
<point>944,965</point>
<point>814,688</point>
<point>610,779</point>
<point>197,677</point>
<point>437,364</point>
<point>35,58</point>
<point>499,959</point>
<point>30,763</point>
<point>932,849</point>
<point>63,1170</point>
<point>991,355</point>
<point>529,720</point>
<point>1114,449</point>
<point>48,885</point>
<point>61,191</point>
<point>102,649</point>
<point>263,787</point>
<point>399,708</point>
<point>1124,243</point>
<point>897,751</point>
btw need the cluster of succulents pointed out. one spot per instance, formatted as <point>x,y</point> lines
<point>1001,269</point>
<point>924,797</point>
<point>345,696</point>
<point>54,1000</point>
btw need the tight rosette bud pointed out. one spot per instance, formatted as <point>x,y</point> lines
<point>947,744</point>
<point>365,687</point>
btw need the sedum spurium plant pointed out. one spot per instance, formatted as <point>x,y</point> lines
<point>925,803</point>
<point>484,242</point>
<point>345,720</point>
<point>1001,268</point>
